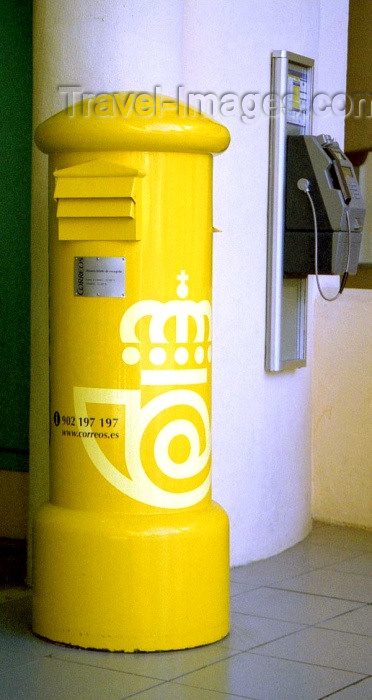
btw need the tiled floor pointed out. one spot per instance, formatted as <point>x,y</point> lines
<point>301,629</point>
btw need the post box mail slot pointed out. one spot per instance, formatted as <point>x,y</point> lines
<point>90,193</point>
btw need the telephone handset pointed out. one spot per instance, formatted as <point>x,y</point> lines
<point>341,166</point>
<point>330,219</point>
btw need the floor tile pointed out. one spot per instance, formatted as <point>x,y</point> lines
<point>17,643</point>
<point>361,565</point>
<point>341,650</point>
<point>251,573</point>
<point>264,678</point>
<point>359,691</point>
<point>236,588</point>
<point>357,621</point>
<point>19,649</point>
<point>247,631</point>
<point>300,559</point>
<point>49,678</point>
<point>335,584</point>
<point>175,691</point>
<point>290,606</point>
<point>349,537</point>
<point>161,665</point>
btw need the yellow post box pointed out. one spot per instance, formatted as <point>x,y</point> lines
<point>130,553</point>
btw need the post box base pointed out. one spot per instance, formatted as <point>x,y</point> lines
<point>131,582</point>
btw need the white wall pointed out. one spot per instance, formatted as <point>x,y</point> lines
<point>261,422</point>
<point>342,391</point>
<point>365,179</point>
<point>342,432</point>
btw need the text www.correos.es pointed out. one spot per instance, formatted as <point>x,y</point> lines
<point>88,434</point>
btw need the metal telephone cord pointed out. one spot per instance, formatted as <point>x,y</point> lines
<point>304,185</point>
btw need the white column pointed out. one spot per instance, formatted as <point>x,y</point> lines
<point>261,421</point>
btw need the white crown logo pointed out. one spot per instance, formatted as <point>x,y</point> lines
<point>185,344</point>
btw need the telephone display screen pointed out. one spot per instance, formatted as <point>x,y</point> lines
<point>297,95</point>
<point>347,171</point>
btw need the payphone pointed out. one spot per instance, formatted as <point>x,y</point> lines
<point>315,212</point>
<point>323,232</point>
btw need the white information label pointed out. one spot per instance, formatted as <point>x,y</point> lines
<point>99,277</point>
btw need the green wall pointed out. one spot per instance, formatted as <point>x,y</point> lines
<point>15,186</point>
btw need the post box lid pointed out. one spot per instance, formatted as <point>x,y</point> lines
<point>131,121</point>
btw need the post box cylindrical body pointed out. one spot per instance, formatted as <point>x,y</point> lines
<point>130,553</point>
